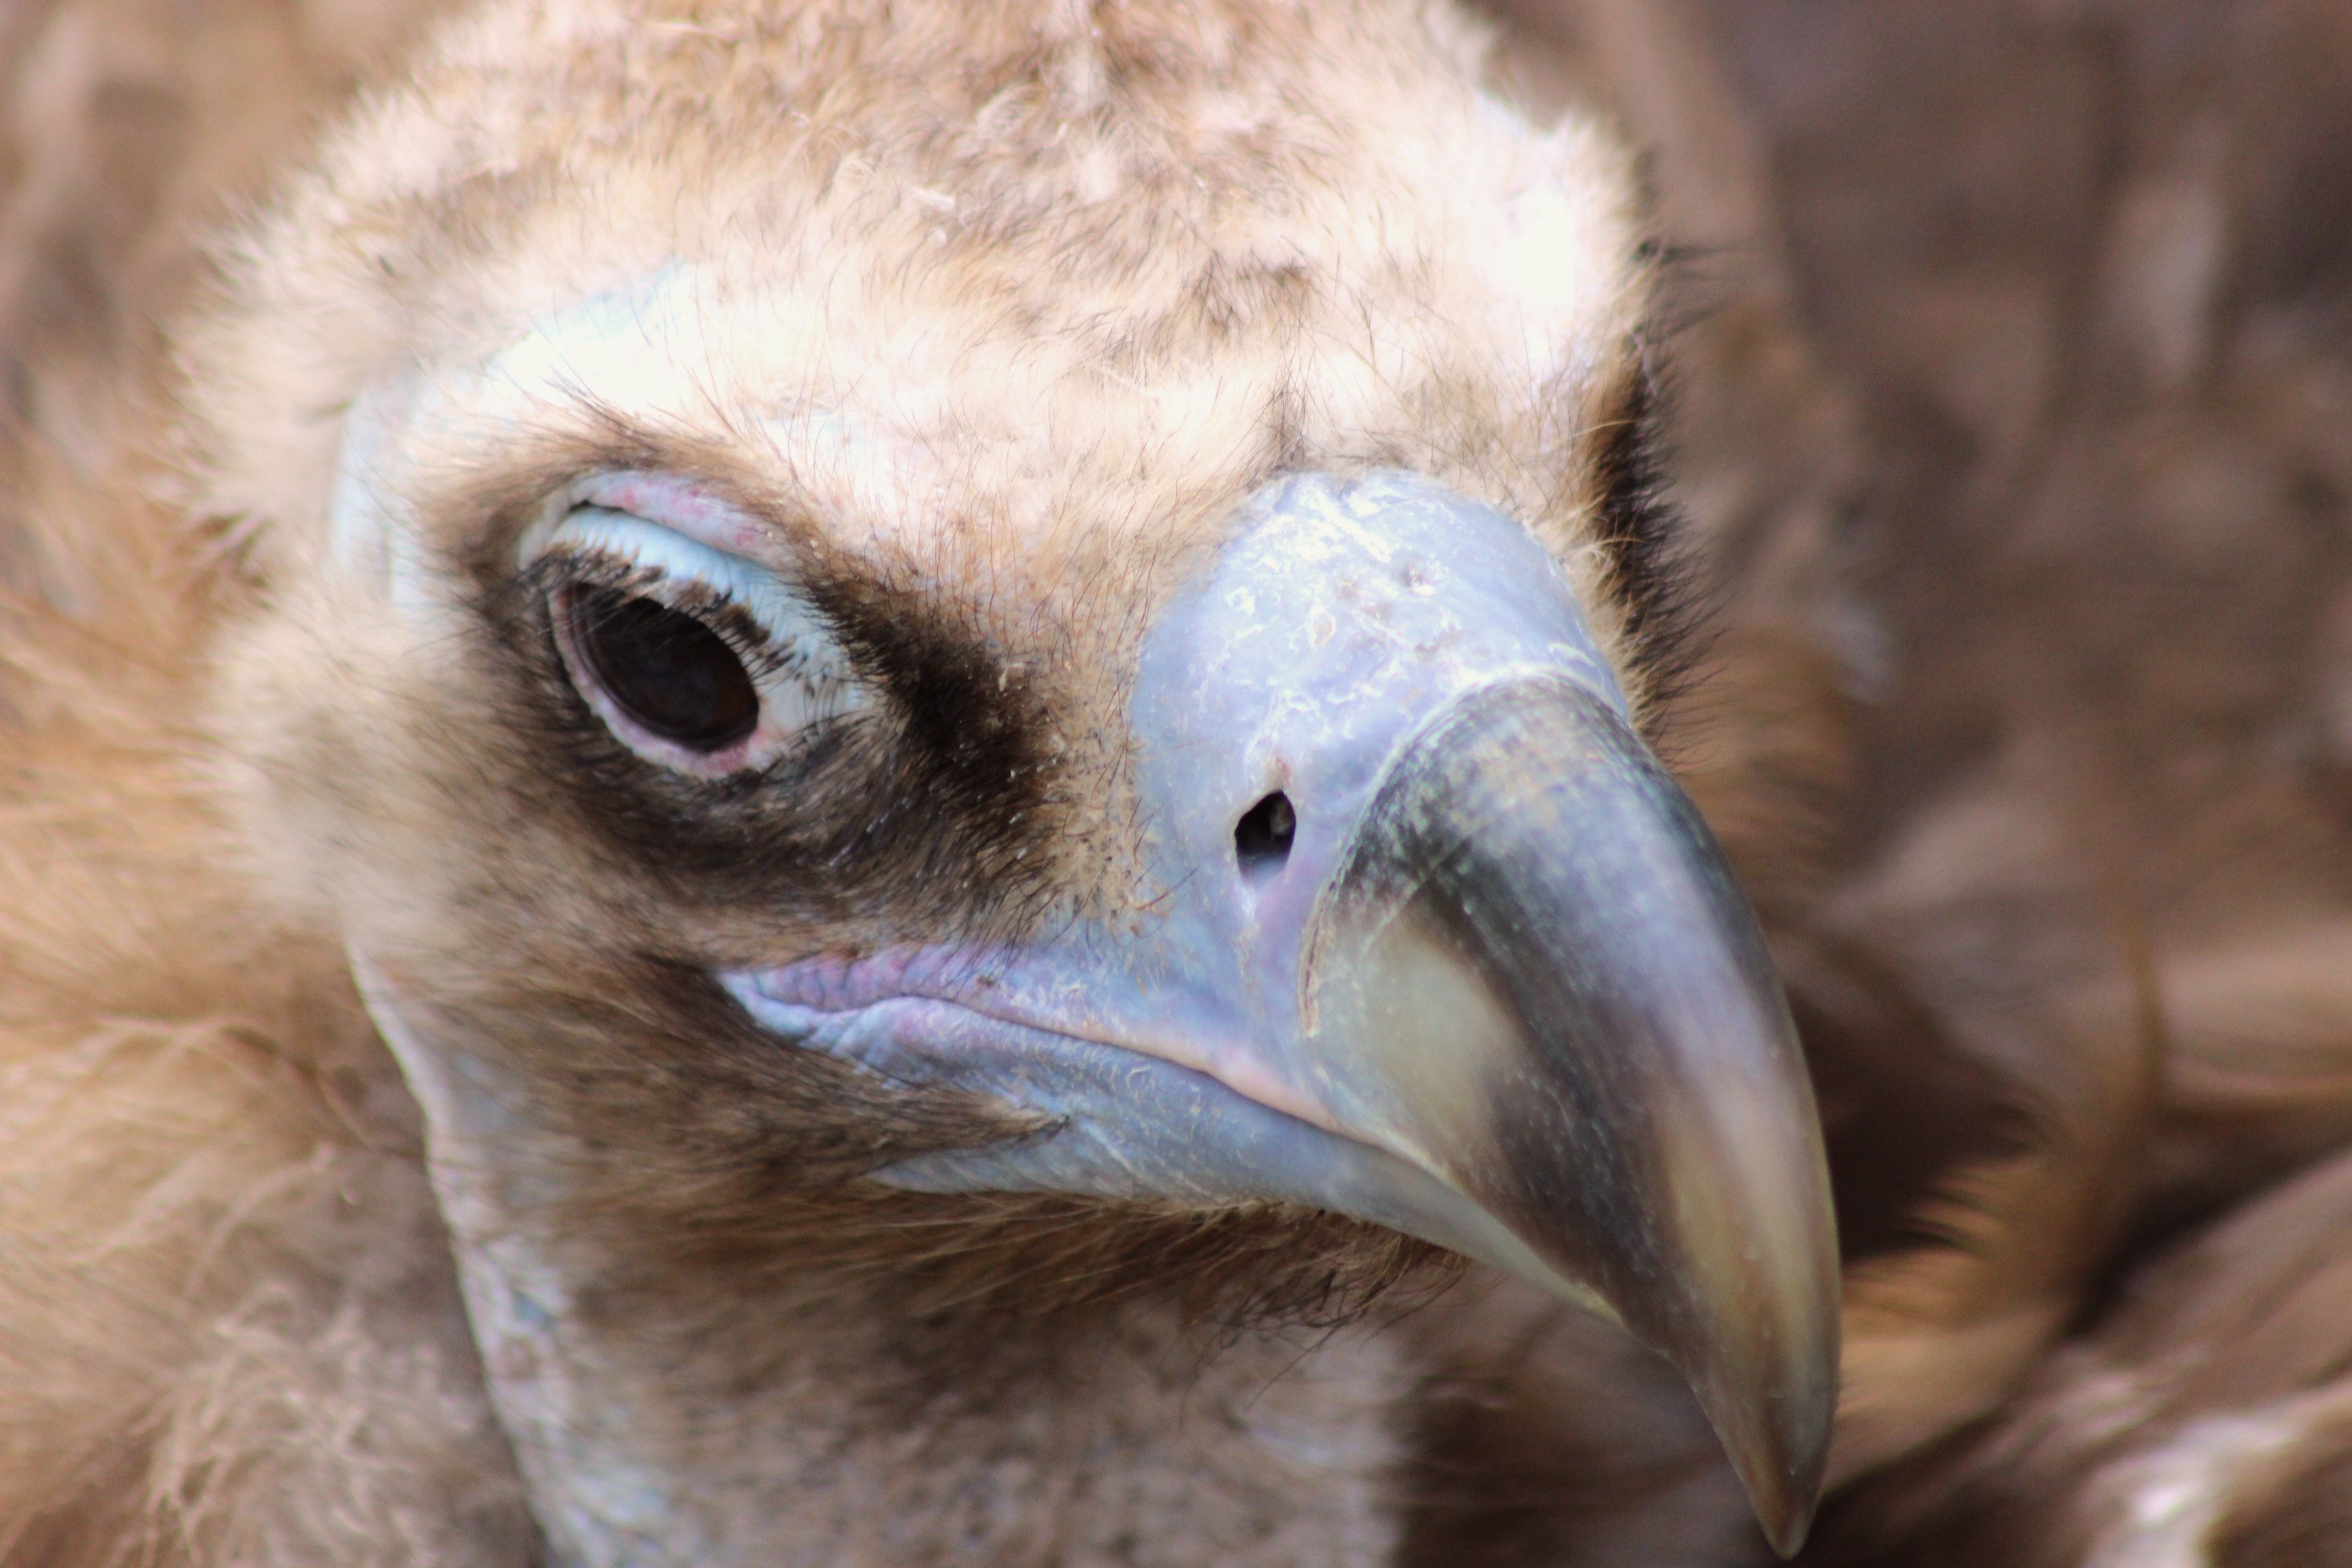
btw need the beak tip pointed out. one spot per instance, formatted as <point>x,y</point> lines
<point>1757,1336</point>
<point>1786,1531</point>
<point>1784,1501</point>
<point>1781,1462</point>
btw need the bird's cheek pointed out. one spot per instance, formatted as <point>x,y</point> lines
<point>317,708</point>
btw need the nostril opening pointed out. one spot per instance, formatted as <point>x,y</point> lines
<point>1262,838</point>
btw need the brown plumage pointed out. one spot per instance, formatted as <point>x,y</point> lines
<point>2033,303</point>
<point>2017,716</point>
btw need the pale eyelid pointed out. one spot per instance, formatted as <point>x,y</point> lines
<point>681,505</point>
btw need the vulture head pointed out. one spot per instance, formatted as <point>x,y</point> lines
<point>948,667</point>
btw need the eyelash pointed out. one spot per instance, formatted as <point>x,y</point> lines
<point>721,613</point>
<point>706,678</point>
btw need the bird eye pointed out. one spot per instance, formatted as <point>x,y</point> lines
<point>665,670</point>
<point>695,658</point>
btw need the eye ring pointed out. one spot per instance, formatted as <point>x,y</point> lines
<point>698,660</point>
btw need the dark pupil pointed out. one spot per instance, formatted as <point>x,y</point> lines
<point>667,670</point>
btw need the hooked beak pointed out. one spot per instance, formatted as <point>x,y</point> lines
<point>1497,989</point>
<point>1539,979</point>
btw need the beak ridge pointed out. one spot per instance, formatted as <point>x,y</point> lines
<point>1534,978</point>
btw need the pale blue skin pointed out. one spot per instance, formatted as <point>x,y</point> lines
<point>1341,617</point>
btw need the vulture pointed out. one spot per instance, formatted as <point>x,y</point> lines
<point>1087,781</point>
